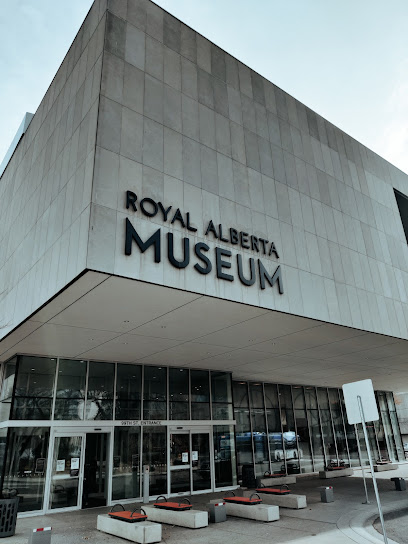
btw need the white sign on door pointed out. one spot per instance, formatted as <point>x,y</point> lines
<point>60,465</point>
<point>184,457</point>
<point>363,389</point>
<point>75,462</point>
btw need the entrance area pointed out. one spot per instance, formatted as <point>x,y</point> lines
<point>190,461</point>
<point>79,472</point>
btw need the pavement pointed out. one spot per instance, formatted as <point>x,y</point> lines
<point>346,520</point>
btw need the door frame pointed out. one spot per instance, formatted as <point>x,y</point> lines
<point>190,430</point>
<point>82,431</point>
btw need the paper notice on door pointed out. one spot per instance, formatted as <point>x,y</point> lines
<point>194,455</point>
<point>60,465</point>
<point>74,463</point>
<point>184,457</point>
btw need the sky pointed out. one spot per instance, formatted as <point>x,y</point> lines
<point>345,59</point>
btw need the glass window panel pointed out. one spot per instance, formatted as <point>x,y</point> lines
<point>316,435</point>
<point>178,392</point>
<point>260,441</point>
<point>327,429</point>
<point>289,430</point>
<point>276,441</point>
<point>302,427</point>
<point>155,392</point>
<point>391,447</point>
<point>256,395</point>
<point>243,439</point>
<point>200,388</point>
<point>26,465</point>
<point>126,463</point>
<point>200,394</point>
<point>201,463</point>
<point>71,379</point>
<point>179,410</point>
<point>179,445</point>
<point>200,410</point>
<point>224,456</point>
<point>221,411</point>
<point>128,391</point>
<point>310,397</point>
<point>36,376</point>
<point>70,394</point>
<point>7,389</point>
<point>98,409</point>
<point>337,417</point>
<point>350,434</point>
<point>101,380</point>
<point>155,455</point>
<point>65,478</point>
<point>397,436</point>
<point>221,387</point>
<point>240,394</point>
<point>178,384</point>
<point>322,398</point>
<point>34,388</point>
<point>271,395</point>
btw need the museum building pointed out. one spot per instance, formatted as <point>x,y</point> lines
<point>192,264</point>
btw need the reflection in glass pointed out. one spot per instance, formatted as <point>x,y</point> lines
<point>243,426</point>
<point>34,388</point>
<point>338,425</point>
<point>128,391</point>
<point>224,455</point>
<point>155,455</point>
<point>302,427</point>
<point>289,430</point>
<point>155,393</point>
<point>350,435</point>
<point>200,394</point>
<point>99,403</point>
<point>259,436</point>
<point>26,466</point>
<point>6,395</point>
<point>327,429</point>
<point>70,395</point>
<point>200,461</point>
<point>65,471</point>
<point>178,394</point>
<point>315,430</point>
<point>126,463</point>
<point>179,449</point>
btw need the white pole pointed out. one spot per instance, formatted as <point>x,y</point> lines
<point>361,465</point>
<point>377,496</point>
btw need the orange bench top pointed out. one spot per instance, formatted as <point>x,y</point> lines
<point>165,505</point>
<point>273,491</point>
<point>242,500</point>
<point>130,517</point>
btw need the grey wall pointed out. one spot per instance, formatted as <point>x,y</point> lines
<point>45,190</point>
<point>183,122</point>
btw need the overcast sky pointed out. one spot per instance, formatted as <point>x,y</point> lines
<point>345,59</point>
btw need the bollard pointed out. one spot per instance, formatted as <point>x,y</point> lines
<point>400,484</point>
<point>146,477</point>
<point>218,512</point>
<point>326,494</point>
<point>40,536</point>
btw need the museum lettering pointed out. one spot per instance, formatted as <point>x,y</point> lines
<point>226,264</point>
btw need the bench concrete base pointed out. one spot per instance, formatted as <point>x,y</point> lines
<point>296,502</point>
<point>193,519</point>
<point>383,468</point>
<point>143,532</point>
<point>257,512</point>
<point>329,474</point>
<point>271,482</point>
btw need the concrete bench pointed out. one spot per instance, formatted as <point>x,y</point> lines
<point>257,512</point>
<point>278,481</point>
<point>193,519</point>
<point>296,502</point>
<point>143,532</point>
<point>385,467</point>
<point>328,474</point>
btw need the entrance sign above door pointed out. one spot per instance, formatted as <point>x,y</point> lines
<point>363,389</point>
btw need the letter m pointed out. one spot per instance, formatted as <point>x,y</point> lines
<point>154,240</point>
<point>276,278</point>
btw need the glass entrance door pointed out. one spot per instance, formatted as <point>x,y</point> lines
<point>190,462</point>
<point>66,475</point>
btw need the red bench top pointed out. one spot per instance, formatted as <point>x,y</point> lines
<point>273,491</point>
<point>173,506</point>
<point>130,517</point>
<point>242,500</point>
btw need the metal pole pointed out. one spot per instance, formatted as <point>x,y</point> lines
<point>361,464</point>
<point>377,496</point>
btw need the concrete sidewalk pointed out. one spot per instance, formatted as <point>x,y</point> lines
<point>343,521</point>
